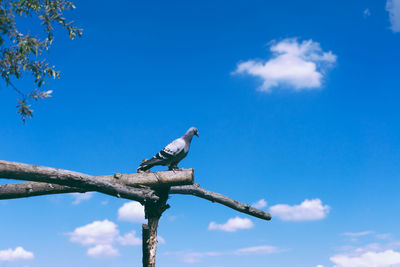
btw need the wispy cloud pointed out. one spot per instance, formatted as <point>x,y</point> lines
<point>257,250</point>
<point>260,204</point>
<point>393,7</point>
<point>161,240</point>
<point>79,197</point>
<point>232,225</point>
<point>19,253</point>
<point>295,65</point>
<point>308,210</point>
<point>193,257</point>
<point>366,13</point>
<point>357,234</point>
<point>132,212</point>
<point>383,236</point>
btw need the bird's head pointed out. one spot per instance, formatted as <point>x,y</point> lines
<point>193,131</point>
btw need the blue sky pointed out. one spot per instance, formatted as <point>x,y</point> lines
<point>296,104</point>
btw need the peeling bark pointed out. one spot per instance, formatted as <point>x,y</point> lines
<point>153,211</point>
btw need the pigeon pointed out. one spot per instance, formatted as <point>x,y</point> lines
<point>172,154</point>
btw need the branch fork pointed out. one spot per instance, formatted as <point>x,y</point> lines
<point>150,189</point>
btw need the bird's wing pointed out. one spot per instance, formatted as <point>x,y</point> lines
<point>171,154</point>
<point>173,149</point>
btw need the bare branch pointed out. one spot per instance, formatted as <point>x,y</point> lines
<point>196,190</point>
<point>155,179</point>
<point>20,171</point>
<point>31,189</point>
<point>59,181</point>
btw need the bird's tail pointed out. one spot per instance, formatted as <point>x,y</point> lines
<point>147,164</point>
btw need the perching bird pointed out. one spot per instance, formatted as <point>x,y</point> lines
<point>172,154</point>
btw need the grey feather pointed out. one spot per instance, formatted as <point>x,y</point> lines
<point>172,154</point>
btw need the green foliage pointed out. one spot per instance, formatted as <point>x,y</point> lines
<point>21,53</point>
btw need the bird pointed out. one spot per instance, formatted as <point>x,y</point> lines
<point>172,154</point>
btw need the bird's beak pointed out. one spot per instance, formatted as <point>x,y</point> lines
<point>197,134</point>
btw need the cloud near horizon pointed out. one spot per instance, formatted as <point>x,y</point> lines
<point>308,210</point>
<point>388,258</point>
<point>295,65</point>
<point>194,257</point>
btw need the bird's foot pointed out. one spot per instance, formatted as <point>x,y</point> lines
<point>174,169</point>
<point>142,171</point>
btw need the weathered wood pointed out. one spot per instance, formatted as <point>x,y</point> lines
<point>153,211</point>
<point>145,247</point>
<point>56,181</point>
<point>21,171</point>
<point>31,189</point>
<point>155,179</point>
<point>196,190</point>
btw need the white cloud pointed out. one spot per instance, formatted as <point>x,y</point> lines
<point>193,257</point>
<point>132,212</point>
<point>259,204</point>
<point>100,236</point>
<point>388,258</point>
<point>102,251</point>
<point>358,234</point>
<point>308,210</point>
<point>232,225</point>
<point>79,197</point>
<point>320,265</point>
<point>19,253</point>
<point>295,65</point>
<point>95,233</point>
<point>393,7</point>
<point>130,239</point>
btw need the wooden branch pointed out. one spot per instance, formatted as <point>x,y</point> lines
<point>12,170</point>
<point>196,190</point>
<point>31,189</point>
<point>20,171</point>
<point>154,179</point>
<point>61,181</point>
